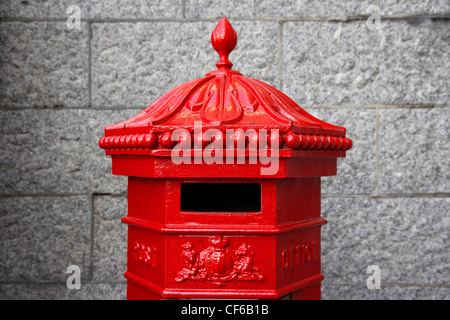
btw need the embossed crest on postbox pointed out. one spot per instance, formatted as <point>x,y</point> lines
<point>218,264</point>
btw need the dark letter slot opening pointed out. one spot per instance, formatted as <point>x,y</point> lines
<point>221,197</point>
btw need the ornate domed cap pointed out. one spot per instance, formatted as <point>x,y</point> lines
<point>223,99</point>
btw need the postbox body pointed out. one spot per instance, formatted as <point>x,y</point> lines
<point>236,237</point>
<point>224,189</point>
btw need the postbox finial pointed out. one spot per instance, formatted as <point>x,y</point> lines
<point>223,40</point>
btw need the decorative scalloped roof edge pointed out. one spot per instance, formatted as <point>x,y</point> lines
<point>223,100</point>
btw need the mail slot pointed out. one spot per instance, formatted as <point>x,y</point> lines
<point>215,197</point>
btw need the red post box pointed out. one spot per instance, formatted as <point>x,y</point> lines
<point>224,188</point>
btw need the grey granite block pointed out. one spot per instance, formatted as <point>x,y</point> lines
<point>40,8</point>
<point>406,237</point>
<point>386,292</point>
<point>305,8</point>
<point>110,238</point>
<point>345,9</point>
<point>412,7</point>
<point>100,291</point>
<point>257,53</point>
<point>356,173</point>
<point>43,64</point>
<point>133,64</point>
<point>130,9</point>
<point>414,150</point>
<point>347,292</point>
<point>414,293</point>
<point>346,63</point>
<point>42,236</point>
<point>127,9</point>
<point>56,151</point>
<point>218,9</point>
<point>100,9</point>
<point>52,291</point>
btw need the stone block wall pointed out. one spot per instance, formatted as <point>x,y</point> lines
<point>386,80</point>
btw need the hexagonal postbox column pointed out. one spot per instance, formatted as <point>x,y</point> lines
<point>224,188</point>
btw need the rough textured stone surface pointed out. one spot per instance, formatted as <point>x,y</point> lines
<point>39,8</point>
<point>50,291</point>
<point>218,9</point>
<point>57,151</point>
<point>345,9</point>
<point>386,292</point>
<point>110,238</point>
<point>103,9</point>
<point>130,9</point>
<point>163,9</point>
<point>414,150</point>
<point>414,293</point>
<point>43,64</point>
<point>335,63</point>
<point>135,63</point>
<point>304,8</point>
<point>414,7</point>
<point>347,292</point>
<point>41,236</point>
<point>356,174</point>
<point>406,237</point>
